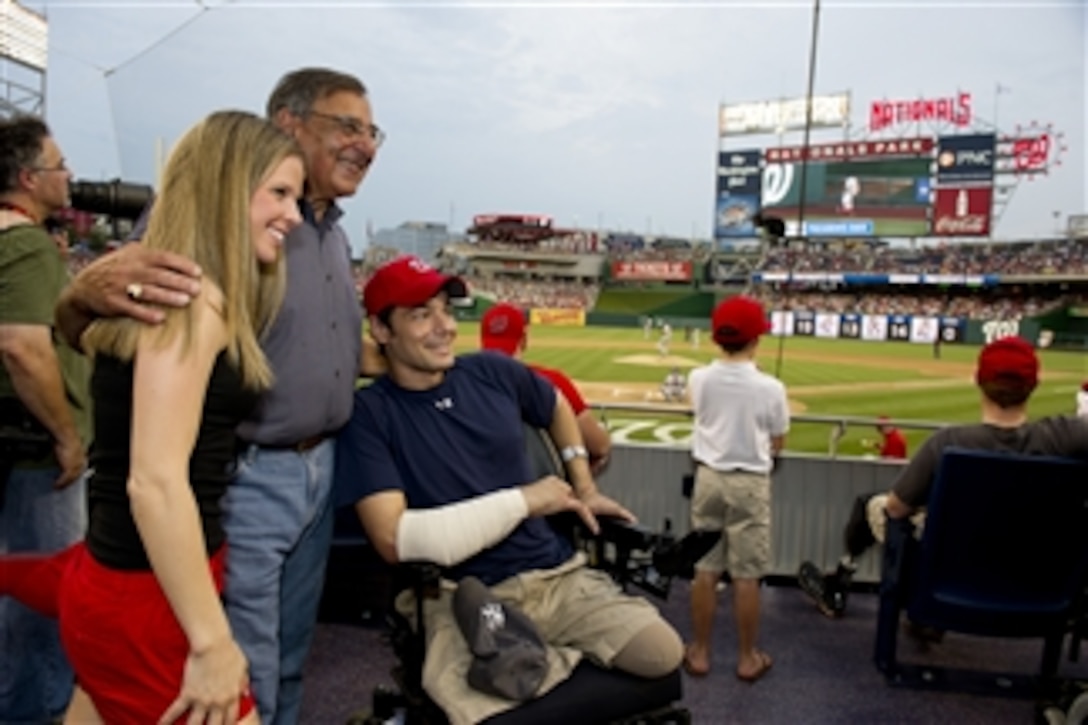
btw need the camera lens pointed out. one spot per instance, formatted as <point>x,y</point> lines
<point>114,198</point>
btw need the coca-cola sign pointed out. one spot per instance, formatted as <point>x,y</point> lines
<point>963,211</point>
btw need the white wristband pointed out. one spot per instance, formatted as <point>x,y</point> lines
<point>450,534</point>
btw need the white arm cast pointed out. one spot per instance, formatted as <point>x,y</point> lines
<point>450,534</point>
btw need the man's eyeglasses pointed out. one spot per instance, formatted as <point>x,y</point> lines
<point>59,166</point>
<point>352,127</point>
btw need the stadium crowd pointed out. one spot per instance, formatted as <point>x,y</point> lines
<point>1048,257</point>
<point>537,293</point>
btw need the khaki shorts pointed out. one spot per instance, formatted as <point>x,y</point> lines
<point>577,609</point>
<point>874,512</point>
<point>738,503</point>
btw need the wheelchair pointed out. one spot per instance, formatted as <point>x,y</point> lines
<point>633,555</point>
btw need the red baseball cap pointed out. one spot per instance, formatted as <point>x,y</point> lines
<point>1011,360</point>
<point>502,328</point>
<point>1084,386</point>
<point>408,282</point>
<point>738,320</point>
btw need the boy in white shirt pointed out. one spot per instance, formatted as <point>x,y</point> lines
<point>741,420</point>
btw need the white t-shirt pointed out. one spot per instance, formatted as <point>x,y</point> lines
<point>737,411</point>
<point>1082,403</point>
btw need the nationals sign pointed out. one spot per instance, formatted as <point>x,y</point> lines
<point>954,110</point>
<point>649,269</point>
<point>963,211</point>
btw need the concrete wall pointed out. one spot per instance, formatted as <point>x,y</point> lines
<point>811,500</point>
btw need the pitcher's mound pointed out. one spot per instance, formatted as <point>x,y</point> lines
<point>661,361</point>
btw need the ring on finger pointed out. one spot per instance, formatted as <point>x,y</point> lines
<point>135,291</point>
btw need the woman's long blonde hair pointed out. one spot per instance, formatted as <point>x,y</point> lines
<point>202,212</point>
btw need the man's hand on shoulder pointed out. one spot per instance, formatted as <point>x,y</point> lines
<point>136,282</point>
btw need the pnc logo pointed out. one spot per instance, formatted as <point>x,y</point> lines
<point>977,157</point>
<point>980,157</point>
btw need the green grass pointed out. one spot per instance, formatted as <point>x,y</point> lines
<point>589,355</point>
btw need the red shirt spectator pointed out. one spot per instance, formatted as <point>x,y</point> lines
<point>504,328</point>
<point>564,385</point>
<point>894,444</point>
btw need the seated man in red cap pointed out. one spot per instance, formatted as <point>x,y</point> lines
<point>504,328</point>
<point>1082,400</point>
<point>434,461</point>
<point>741,419</point>
<point>1007,373</point>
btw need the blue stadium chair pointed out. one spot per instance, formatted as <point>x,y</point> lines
<point>1004,554</point>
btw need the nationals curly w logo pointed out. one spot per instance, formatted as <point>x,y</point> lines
<point>777,181</point>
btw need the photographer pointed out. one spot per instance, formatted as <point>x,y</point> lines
<point>43,413</point>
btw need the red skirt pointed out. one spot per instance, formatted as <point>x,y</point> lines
<point>124,642</point>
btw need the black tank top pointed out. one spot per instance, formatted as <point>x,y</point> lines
<point>112,536</point>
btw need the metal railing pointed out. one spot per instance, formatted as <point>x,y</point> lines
<point>839,423</point>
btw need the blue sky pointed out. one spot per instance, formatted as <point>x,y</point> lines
<point>593,112</point>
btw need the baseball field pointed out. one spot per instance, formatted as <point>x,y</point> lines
<point>822,377</point>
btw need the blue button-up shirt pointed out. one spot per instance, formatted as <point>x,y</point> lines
<point>315,342</point>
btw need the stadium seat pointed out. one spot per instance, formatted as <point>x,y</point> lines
<point>1004,554</point>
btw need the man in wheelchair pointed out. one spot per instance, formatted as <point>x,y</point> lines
<point>434,461</point>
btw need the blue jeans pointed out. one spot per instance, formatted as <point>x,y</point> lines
<point>278,519</point>
<point>35,677</point>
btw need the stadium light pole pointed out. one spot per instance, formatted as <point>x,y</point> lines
<point>804,150</point>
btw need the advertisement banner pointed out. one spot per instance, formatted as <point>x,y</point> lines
<point>651,271</point>
<point>804,323</point>
<point>899,327</point>
<point>952,329</point>
<point>1024,154</point>
<point>954,110</point>
<point>827,324</point>
<point>874,327</point>
<point>1077,226</point>
<point>854,150</point>
<point>782,323</point>
<point>855,198</point>
<point>924,329</point>
<point>740,178</point>
<point>963,211</point>
<point>850,326</point>
<point>785,114</point>
<point>979,332</point>
<point>568,316</point>
<point>965,158</point>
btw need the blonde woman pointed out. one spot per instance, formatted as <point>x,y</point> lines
<point>140,613</point>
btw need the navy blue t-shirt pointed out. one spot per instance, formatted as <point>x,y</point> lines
<point>457,441</point>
